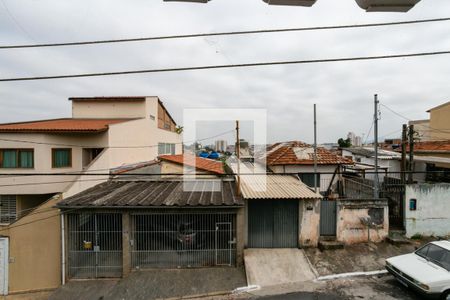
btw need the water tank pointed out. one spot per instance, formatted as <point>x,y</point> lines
<point>291,2</point>
<point>387,5</point>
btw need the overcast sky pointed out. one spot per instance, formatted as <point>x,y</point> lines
<point>343,91</point>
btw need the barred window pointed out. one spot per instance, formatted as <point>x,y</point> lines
<point>8,212</point>
<point>166,148</point>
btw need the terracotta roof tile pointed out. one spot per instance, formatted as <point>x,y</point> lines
<point>299,153</point>
<point>62,125</point>
<point>432,146</point>
<point>200,163</point>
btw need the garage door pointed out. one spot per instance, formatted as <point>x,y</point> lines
<point>273,224</point>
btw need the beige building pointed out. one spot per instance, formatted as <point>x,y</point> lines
<point>103,133</point>
<point>440,122</point>
<point>422,127</point>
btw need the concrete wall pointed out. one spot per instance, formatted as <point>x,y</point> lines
<point>324,178</point>
<point>309,223</point>
<point>35,250</point>
<point>432,216</point>
<point>439,120</point>
<point>422,127</point>
<point>24,185</point>
<point>108,109</point>
<point>350,229</point>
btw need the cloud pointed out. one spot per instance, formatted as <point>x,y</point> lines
<point>343,91</point>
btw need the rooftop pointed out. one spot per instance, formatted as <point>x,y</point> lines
<point>106,98</point>
<point>200,163</point>
<point>439,106</point>
<point>168,193</point>
<point>62,125</point>
<point>299,153</point>
<point>370,152</point>
<point>431,146</point>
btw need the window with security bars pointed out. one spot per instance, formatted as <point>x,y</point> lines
<point>8,212</point>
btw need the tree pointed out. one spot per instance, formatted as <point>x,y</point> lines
<point>344,143</point>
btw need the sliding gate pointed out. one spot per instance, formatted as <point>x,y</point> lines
<point>183,240</point>
<point>94,245</point>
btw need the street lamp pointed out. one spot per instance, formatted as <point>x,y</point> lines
<point>291,2</point>
<point>387,5</point>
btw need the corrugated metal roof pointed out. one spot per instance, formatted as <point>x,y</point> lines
<point>275,187</point>
<point>155,193</point>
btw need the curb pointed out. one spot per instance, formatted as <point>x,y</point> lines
<point>212,294</point>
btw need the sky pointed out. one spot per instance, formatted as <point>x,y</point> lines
<point>343,91</point>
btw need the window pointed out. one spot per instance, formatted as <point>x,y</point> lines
<point>62,158</point>
<point>166,148</point>
<point>16,158</point>
<point>7,209</point>
<point>308,179</point>
<point>435,254</point>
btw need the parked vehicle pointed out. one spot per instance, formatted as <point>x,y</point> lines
<point>427,270</point>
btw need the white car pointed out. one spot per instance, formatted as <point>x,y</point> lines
<point>426,270</point>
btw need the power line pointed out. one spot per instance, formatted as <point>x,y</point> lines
<point>368,133</point>
<point>110,147</point>
<point>226,66</point>
<point>408,119</point>
<point>194,35</point>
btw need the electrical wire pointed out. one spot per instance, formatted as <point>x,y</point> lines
<point>112,147</point>
<point>227,33</point>
<point>227,66</point>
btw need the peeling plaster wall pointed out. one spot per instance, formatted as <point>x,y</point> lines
<point>350,229</point>
<point>309,219</point>
<point>432,216</point>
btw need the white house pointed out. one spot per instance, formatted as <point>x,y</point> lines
<point>103,133</point>
<point>298,157</point>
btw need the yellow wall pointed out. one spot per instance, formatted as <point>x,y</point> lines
<point>440,120</point>
<point>35,250</point>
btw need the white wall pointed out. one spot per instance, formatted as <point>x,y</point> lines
<point>324,178</point>
<point>432,216</point>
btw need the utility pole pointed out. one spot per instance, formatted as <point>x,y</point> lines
<point>375,133</point>
<point>411,154</point>
<point>404,142</point>
<point>238,154</point>
<point>315,150</point>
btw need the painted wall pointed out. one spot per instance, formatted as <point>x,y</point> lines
<point>35,250</point>
<point>108,109</point>
<point>43,161</point>
<point>439,120</point>
<point>309,223</point>
<point>422,127</point>
<point>324,178</point>
<point>432,216</point>
<point>351,230</point>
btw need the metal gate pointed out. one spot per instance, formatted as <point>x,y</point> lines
<point>183,240</point>
<point>94,245</point>
<point>273,224</point>
<point>4,261</point>
<point>393,190</point>
<point>328,218</point>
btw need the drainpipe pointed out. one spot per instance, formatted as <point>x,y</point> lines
<point>63,252</point>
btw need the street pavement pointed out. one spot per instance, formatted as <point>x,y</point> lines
<point>383,287</point>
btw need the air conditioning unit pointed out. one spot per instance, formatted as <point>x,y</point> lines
<point>291,2</point>
<point>387,5</point>
<point>197,1</point>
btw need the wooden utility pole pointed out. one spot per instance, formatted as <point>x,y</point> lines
<point>404,143</point>
<point>411,154</point>
<point>238,155</point>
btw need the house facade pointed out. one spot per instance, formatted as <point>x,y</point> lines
<point>69,152</point>
<point>298,158</point>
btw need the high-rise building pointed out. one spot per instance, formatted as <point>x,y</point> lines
<point>221,145</point>
<point>354,139</point>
